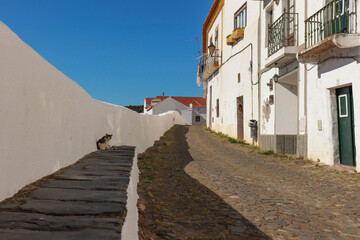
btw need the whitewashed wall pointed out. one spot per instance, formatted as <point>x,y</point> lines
<point>199,111</point>
<point>335,73</point>
<point>168,104</point>
<point>236,59</point>
<point>48,121</point>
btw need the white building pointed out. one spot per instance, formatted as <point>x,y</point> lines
<point>298,82</point>
<point>191,109</point>
<point>230,72</point>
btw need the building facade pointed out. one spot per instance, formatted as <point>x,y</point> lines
<point>191,109</point>
<point>292,67</point>
<point>230,71</point>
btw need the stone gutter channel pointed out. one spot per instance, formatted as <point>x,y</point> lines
<point>86,200</point>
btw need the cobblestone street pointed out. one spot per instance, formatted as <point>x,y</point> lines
<point>234,192</point>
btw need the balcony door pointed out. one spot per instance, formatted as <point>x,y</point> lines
<point>290,15</point>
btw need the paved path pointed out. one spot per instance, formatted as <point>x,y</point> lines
<point>196,185</point>
<point>84,201</point>
<point>285,199</point>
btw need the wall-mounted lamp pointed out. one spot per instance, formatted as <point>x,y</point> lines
<point>211,49</point>
<point>276,78</point>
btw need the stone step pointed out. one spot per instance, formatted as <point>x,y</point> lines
<point>63,194</point>
<point>99,184</point>
<point>62,208</point>
<point>88,234</point>
<point>42,222</point>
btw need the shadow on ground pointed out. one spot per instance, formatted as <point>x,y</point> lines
<point>172,205</point>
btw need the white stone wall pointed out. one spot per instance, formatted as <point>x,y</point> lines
<point>168,104</point>
<point>48,121</point>
<point>236,59</point>
<point>199,111</point>
<point>323,80</point>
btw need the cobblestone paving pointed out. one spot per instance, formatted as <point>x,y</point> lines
<point>173,205</point>
<point>284,198</point>
<point>228,191</point>
<point>83,201</point>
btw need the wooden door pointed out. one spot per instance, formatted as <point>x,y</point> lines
<point>240,117</point>
<point>346,125</point>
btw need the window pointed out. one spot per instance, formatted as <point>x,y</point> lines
<point>239,78</point>
<point>217,108</point>
<point>240,17</point>
<point>269,21</point>
<point>343,106</point>
<point>197,118</point>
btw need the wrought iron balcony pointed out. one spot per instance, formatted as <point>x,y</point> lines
<point>333,18</point>
<point>283,32</point>
<point>212,64</point>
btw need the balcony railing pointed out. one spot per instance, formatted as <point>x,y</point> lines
<point>283,32</point>
<point>333,18</point>
<point>212,63</point>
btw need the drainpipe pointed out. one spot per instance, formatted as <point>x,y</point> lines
<point>305,83</point>
<point>258,70</point>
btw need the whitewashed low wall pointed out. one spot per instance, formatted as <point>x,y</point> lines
<point>48,121</point>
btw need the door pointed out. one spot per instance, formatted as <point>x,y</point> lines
<point>346,125</point>
<point>210,108</point>
<point>240,117</point>
<point>291,23</point>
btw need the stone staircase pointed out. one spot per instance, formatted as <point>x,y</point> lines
<point>86,200</point>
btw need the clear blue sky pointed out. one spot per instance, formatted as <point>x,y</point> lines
<point>118,51</point>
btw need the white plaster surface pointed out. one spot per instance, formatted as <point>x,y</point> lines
<point>286,109</point>
<point>236,59</point>
<point>49,122</point>
<point>327,76</point>
<point>169,104</point>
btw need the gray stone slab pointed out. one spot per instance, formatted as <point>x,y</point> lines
<point>100,162</point>
<point>42,222</point>
<point>88,234</point>
<point>83,177</point>
<point>121,184</point>
<point>109,159</point>
<point>79,195</point>
<point>98,172</point>
<point>72,208</point>
<point>97,167</point>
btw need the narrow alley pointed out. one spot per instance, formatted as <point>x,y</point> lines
<point>196,185</point>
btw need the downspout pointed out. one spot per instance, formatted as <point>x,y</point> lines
<point>305,85</point>
<point>258,71</point>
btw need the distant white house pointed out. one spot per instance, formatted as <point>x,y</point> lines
<point>191,109</point>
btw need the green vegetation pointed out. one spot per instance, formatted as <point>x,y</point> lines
<point>136,108</point>
<point>227,137</point>
<point>268,153</point>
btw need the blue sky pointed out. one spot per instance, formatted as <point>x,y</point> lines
<point>118,51</point>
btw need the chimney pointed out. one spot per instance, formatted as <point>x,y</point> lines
<point>163,94</point>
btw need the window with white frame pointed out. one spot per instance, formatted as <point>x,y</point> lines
<point>240,17</point>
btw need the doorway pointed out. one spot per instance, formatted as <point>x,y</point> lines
<point>345,112</point>
<point>210,108</point>
<point>240,117</point>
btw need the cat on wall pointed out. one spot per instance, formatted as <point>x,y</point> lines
<point>103,143</point>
